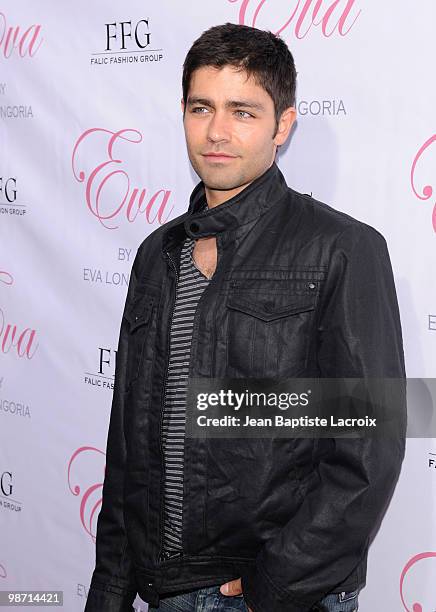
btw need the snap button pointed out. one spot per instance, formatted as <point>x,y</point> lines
<point>194,227</point>
<point>311,285</point>
<point>150,584</point>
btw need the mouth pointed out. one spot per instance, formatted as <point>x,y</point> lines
<point>218,157</point>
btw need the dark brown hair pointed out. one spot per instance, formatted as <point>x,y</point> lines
<point>261,54</point>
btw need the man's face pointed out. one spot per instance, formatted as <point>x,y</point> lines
<point>229,115</point>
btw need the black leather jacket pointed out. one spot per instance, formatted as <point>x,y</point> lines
<point>292,517</point>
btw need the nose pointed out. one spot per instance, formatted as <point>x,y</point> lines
<point>218,128</point>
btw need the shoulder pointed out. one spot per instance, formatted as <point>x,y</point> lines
<point>332,223</point>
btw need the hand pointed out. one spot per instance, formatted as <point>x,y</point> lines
<point>233,587</point>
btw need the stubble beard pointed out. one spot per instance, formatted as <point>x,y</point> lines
<point>220,178</point>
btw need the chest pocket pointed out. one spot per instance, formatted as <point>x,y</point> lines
<point>139,316</point>
<point>268,310</point>
<point>269,323</point>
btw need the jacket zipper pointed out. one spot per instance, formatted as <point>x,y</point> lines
<point>162,554</point>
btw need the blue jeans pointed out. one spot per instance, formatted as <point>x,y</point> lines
<point>210,599</point>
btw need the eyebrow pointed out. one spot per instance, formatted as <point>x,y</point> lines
<point>228,104</point>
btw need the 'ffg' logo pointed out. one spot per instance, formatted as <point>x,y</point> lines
<point>118,32</point>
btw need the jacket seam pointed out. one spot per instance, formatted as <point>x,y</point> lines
<point>322,293</point>
<point>333,249</point>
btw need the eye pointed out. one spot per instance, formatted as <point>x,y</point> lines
<point>243,114</point>
<point>197,110</point>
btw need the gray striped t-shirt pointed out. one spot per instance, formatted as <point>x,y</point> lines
<point>190,286</point>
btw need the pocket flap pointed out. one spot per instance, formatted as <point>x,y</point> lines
<point>139,311</point>
<point>271,310</point>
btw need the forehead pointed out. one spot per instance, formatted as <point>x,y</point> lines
<point>227,82</point>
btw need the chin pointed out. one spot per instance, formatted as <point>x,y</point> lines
<point>220,184</point>
<point>220,178</point>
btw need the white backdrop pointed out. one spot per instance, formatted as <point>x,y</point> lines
<point>92,159</point>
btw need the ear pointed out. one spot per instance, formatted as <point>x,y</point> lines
<point>183,106</point>
<point>286,122</point>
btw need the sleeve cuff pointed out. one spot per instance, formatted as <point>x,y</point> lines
<point>100,599</point>
<point>262,595</point>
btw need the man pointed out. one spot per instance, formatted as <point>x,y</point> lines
<point>254,280</point>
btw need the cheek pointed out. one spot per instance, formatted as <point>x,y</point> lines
<point>194,132</point>
<point>257,143</point>
<point>255,135</point>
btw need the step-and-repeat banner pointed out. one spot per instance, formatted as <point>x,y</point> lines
<point>93,159</point>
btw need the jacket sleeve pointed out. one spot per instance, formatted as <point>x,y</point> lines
<point>112,586</point>
<point>359,335</point>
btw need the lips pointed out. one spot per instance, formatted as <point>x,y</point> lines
<point>218,156</point>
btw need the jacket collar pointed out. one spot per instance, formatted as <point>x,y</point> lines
<point>242,208</point>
